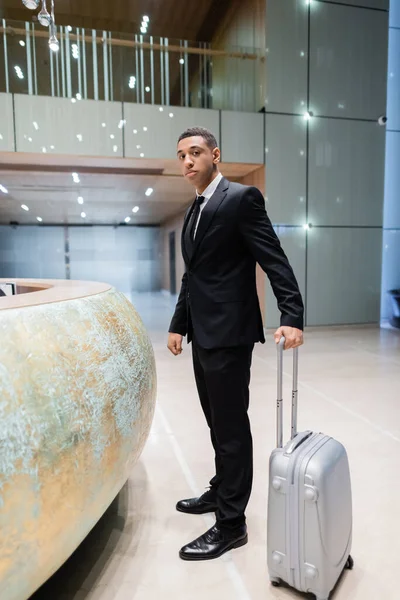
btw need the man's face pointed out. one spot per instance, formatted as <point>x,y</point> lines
<point>197,161</point>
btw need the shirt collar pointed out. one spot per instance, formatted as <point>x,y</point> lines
<point>210,189</point>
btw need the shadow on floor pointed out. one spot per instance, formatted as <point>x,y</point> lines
<point>81,572</point>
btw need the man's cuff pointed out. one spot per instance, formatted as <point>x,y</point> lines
<point>292,321</point>
<point>177,329</point>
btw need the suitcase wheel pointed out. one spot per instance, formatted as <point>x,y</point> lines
<point>350,563</point>
<point>276,582</point>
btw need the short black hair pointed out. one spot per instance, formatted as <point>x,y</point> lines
<point>209,138</point>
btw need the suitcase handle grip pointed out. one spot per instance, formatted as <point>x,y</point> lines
<point>279,418</point>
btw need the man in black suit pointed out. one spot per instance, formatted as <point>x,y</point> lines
<point>226,232</point>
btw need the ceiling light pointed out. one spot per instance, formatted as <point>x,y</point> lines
<point>112,136</point>
<point>24,206</point>
<point>144,25</point>
<point>161,109</point>
<point>135,209</point>
<point>73,100</point>
<point>51,147</point>
<point>147,88</point>
<point>138,146</point>
<point>80,137</point>
<point>141,155</point>
<point>132,82</point>
<point>103,125</point>
<point>308,115</point>
<point>31,4</point>
<point>143,30</point>
<point>135,131</point>
<point>144,128</point>
<point>146,18</point>
<point>79,96</point>
<point>307,226</point>
<point>3,189</point>
<point>80,200</point>
<point>44,17</point>
<point>39,219</point>
<point>83,215</point>
<point>69,28</point>
<point>127,219</point>
<point>44,150</point>
<point>149,191</point>
<point>182,61</point>
<point>122,123</point>
<point>1,137</point>
<point>19,72</point>
<point>75,177</point>
<point>171,115</point>
<point>29,139</point>
<point>115,148</point>
<point>53,43</point>
<point>22,43</point>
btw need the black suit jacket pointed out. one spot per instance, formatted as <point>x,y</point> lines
<point>218,298</point>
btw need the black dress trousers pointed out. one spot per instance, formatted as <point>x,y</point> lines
<point>223,378</point>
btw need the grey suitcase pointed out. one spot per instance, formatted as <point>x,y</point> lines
<point>309,505</point>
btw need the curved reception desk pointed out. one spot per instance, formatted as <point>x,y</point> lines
<point>77,398</point>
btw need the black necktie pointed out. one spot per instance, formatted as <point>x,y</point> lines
<point>195,215</point>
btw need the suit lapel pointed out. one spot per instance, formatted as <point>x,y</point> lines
<point>209,211</point>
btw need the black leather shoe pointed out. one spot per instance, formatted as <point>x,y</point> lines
<point>198,506</point>
<point>214,543</point>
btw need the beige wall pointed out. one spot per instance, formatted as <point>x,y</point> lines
<point>239,84</point>
<point>257,178</point>
<point>174,224</point>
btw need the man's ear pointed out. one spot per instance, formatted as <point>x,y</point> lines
<point>217,155</point>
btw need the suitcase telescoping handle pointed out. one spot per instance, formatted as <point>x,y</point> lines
<point>279,420</point>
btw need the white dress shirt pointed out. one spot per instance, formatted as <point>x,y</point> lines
<point>208,192</point>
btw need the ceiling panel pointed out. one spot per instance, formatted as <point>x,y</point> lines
<point>108,196</point>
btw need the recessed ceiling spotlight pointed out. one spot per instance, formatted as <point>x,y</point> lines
<point>39,219</point>
<point>24,206</point>
<point>149,191</point>
<point>127,219</point>
<point>83,215</point>
<point>3,189</point>
<point>135,209</point>
<point>80,200</point>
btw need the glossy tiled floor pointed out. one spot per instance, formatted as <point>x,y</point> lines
<point>350,388</point>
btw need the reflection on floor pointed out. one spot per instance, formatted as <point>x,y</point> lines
<point>349,388</point>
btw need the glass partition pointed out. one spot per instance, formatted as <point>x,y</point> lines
<point>144,69</point>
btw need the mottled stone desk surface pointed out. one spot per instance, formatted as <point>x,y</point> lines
<point>34,292</point>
